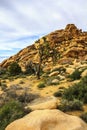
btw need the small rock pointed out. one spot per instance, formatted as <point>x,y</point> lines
<point>55,73</point>
<point>70,70</point>
<point>55,81</point>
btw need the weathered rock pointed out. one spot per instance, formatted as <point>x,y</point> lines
<point>61,77</point>
<point>84,73</point>
<point>43,103</point>
<point>48,120</point>
<point>55,81</point>
<point>55,73</point>
<point>70,70</point>
<point>69,43</point>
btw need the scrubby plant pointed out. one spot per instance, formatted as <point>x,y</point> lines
<point>26,97</point>
<point>2,70</point>
<point>70,105</point>
<point>30,68</point>
<point>84,117</point>
<point>58,93</point>
<point>10,112</point>
<point>75,75</point>
<point>3,86</point>
<point>41,85</point>
<point>77,91</point>
<point>14,69</point>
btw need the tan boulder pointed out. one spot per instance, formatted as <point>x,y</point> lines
<point>48,120</point>
<point>55,81</point>
<point>55,73</point>
<point>43,103</point>
<point>84,73</point>
<point>70,70</point>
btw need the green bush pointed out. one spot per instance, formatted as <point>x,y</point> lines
<point>75,75</point>
<point>58,93</point>
<point>41,85</point>
<point>77,91</point>
<point>2,70</point>
<point>10,112</point>
<point>84,117</point>
<point>3,86</point>
<point>27,97</point>
<point>14,69</point>
<point>70,105</point>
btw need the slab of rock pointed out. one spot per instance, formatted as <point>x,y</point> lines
<point>55,73</point>
<point>48,120</point>
<point>43,103</point>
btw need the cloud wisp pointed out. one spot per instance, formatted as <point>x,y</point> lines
<point>23,21</point>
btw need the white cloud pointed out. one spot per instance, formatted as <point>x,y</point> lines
<point>24,21</point>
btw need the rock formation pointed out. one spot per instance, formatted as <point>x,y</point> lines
<point>48,120</point>
<point>70,43</point>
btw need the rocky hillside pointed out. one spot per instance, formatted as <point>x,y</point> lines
<point>69,44</point>
<point>62,57</point>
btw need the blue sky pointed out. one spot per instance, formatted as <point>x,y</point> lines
<point>24,21</point>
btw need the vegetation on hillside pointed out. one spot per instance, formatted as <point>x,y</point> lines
<point>10,112</point>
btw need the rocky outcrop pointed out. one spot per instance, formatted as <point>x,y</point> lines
<point>48,120</point>
<point>69,44</point>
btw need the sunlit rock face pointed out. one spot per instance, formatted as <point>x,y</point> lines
<point>48,120</point>
<point>70,43</point>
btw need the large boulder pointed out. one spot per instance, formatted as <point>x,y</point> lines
<point>48,120</point>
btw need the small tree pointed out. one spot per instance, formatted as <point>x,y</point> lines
<point>14,69</point>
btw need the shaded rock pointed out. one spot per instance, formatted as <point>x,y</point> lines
<point>48,120</point>
<point>43,103</point>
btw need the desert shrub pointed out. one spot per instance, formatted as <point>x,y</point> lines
<point>2,70</point>
<point>11,78</point>
<point>75,75</point>
<point>30,68</point>
<point>49,80</point>
<point>10,112</point>
<point>58,93</point>
<point>41,85</point>
<point>4,76</point>
<point>24,97</point>
<point>21,82</point>
<point>11,94</point>
<point>3,86</point>
<point>70,105</point>
<point>77,91</point>
<point>84,117</point>
<point>14,69</point>
<point>27,97</point>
